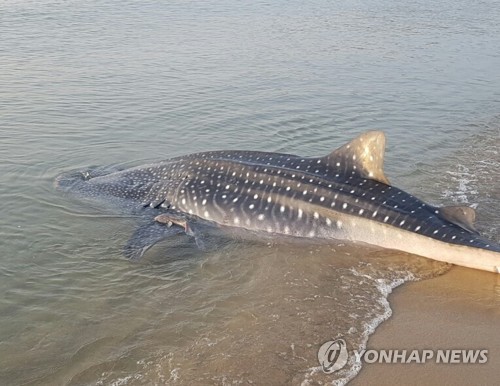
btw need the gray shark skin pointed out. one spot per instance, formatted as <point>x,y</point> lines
<point>343,196</point>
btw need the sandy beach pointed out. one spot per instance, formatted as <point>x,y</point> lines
<point>459,310</point>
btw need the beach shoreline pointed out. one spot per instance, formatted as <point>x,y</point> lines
<point>457,310</point>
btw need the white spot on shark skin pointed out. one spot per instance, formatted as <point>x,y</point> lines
<point>255,196</point>
<point>206,214</point>
<point>386,218</point>
<point>435,232</point>
<point>300,214</point>
<point>236,220</point>
<point>418,228</point>
<point>402,223</point>
<point>361,211</point>
<point>375,214</point>
<point>269,199</point>
<point>282,209</point>
<point>304,192</point>
<point>261,217</point>
<point>204,202</point>
<point>286,230</point>
<point>339,224</point>
<point>183,201</point>
<point>251,206</point>
<point>328,221</point>
<point>344,205</point>
<point>235,199</point>
<point>316,215</point>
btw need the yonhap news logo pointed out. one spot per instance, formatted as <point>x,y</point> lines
<point>334,355</point>
<point>422,356</point>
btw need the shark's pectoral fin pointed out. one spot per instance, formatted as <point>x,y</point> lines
<point>164,225</point>
<point>463,216</point>
<point>146,236</point>
<point>364,156</point>
<point>172,218</point>
<point>191,226</point>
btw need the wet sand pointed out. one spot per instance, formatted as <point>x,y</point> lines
<point>460,309</point>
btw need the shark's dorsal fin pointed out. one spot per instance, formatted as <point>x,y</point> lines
<point>463,216</point>
<point>364,155</point>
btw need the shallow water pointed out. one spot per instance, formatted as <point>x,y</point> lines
<point>127,82</point>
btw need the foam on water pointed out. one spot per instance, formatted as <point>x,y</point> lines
<point>471,176</point>
<point>354,365</point>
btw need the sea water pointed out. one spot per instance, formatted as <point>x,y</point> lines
<point>128,82</point>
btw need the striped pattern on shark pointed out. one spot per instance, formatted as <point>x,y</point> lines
<point>344,195</point>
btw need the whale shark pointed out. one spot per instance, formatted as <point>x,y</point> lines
<point>344,195</point>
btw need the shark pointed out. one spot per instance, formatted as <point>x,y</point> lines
<point>344,195</point>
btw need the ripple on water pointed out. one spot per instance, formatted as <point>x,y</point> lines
<point>257,313</point>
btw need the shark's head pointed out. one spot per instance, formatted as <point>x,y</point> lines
<point>135,186</point>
